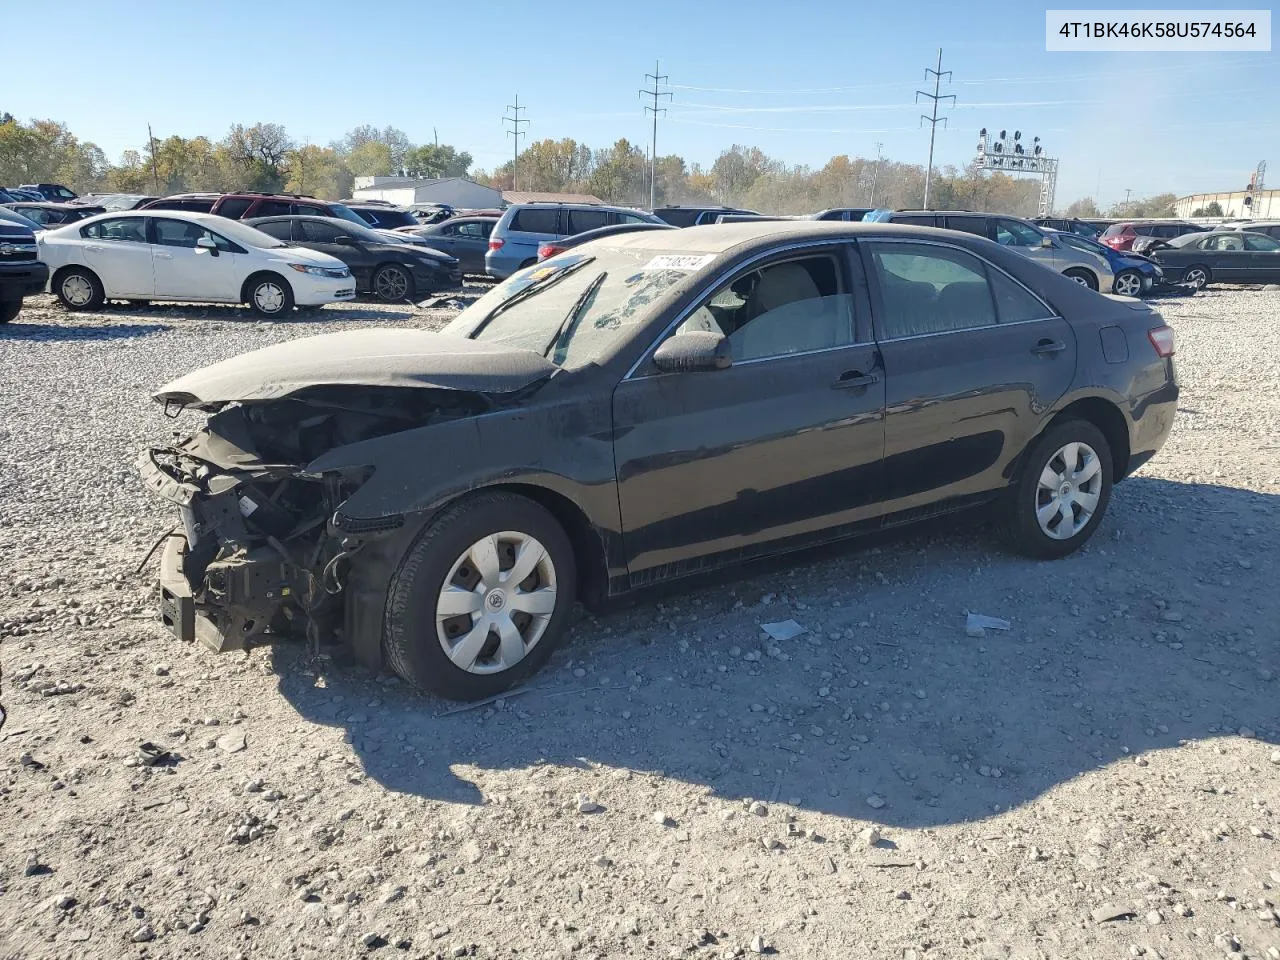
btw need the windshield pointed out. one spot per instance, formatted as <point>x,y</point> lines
<point>1083,243</point>
<point>244,235</point>
<point>392,218</point>
<point>613,288</point>
<point>346,213</point>
<point>12,216</point>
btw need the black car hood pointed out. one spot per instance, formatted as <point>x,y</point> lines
<point>384,357</point>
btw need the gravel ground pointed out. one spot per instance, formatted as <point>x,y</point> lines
<point>1099,781</point>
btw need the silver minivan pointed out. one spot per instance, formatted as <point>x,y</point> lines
<point>514,242</point>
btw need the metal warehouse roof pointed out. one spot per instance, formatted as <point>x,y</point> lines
<point>533,196</point>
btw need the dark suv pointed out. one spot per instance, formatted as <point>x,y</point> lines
<point>383,216</point>
<point>242,206</point>
<point>679,216</point>
<point>21,272</point>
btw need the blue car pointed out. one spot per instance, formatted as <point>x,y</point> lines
<point>1135,275</point>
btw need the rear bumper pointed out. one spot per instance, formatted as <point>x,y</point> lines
<point>433,279</point>
<point>24,278</point>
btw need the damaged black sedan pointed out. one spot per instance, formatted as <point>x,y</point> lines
<point>644,407</point>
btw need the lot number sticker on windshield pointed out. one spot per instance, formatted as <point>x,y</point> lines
<point>688,261</point>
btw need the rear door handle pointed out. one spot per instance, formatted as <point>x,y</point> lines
<point>855,379</point>
<point>93,246</point>
<point>1047,346</point>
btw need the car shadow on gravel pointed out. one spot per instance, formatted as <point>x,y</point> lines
<point>887,709</point>
<point>330,313</point>
<point>80,331</point>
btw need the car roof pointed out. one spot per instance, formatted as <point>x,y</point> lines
<point>719,238</point>
<point>56,205</point>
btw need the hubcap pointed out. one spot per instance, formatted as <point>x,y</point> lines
<point>1067,495</point>
<point>392,284</point>
<point>496,602</point>
<point>1080,279</point>
<point>77,290</point>
<point>1196,277</point>
<point>269,298</point>
<point>1128,285</point>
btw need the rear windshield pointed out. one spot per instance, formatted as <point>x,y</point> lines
<point>390,218</point>
<point>622,287</point>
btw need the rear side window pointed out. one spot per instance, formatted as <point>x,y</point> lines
<point>536,220</point>
<point>931,289</point>
<point>583,220</point>
<point>631,218</point>
<point>318,232</point>
<point>233,208</point>
<point>280,229</point>
<point>1011,233</point>
<point>309,210</point>
<point>974,225</point>
<point>915,219</point>
<point>1115,230</point>
<point>477,230</point>
<point>272,208</point>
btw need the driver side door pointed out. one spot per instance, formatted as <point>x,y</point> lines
<point>184,269</point>
<point>782,448</point>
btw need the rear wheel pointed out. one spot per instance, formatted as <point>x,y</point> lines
<point>79,289</point>
<point>1128,283</point>
<point>1197,275</point>
<point>392,284</point>
<point>1061,492</point>
<point>270,295</point>
<point>9,310</point>
<point>481,599</point>
<point>1082,277</point>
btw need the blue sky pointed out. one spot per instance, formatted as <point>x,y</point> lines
<point>802,80</point>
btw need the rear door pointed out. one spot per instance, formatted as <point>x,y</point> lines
<point>184,270</point>
<point>972,360</point>
<point>582,219</point>
<point>530,227</point>
<point>1264,258</point>
<point>471,243</point>
<point>1227,257</point>
<point>117,250</point>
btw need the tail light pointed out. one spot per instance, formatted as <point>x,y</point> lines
<point>548,250</point>
<point>496,244</point>
<point>1162,339</point>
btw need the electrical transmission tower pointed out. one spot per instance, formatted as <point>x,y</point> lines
<point>515,133</point>
<point>933,119</point>
<point>656,78</point>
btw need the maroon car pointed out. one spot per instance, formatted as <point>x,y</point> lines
<point>243,206</point>
<point>1121,236</point>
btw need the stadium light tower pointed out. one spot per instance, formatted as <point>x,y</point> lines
<point>1011,155</point>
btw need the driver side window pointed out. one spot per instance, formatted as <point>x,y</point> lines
<point>782,308</point>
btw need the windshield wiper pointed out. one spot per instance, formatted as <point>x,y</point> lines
<point>577,308</point>
<point>540,284</point>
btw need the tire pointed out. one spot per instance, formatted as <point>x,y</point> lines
<point>392,284</point>
<point>1031,496</point>
<point>1197,275</point>
<point>269,295</point>
<point>1128,283</point>
<point>415,634</point>
<point>80,289</point>
<point>1082,277</point>
<point>9,310</point>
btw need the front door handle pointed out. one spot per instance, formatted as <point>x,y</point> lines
<point>1048,346</point>
<point>855,379</point>
<point>93,247</point>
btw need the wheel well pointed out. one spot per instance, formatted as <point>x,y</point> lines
<point>254,278</point>
<point>64,270</point>
<point>1208,271</point>
<point>588,550</point>
<point>1107,417</point>
<point>1085,271</point>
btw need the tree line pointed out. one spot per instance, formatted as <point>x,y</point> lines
<point>264,157</point>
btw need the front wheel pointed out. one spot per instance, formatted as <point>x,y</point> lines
<point>482,597</point>
<point>1196,275</point>
<point>9,310</point>
<point>1061,492</point>
<point>1128,283</point>
<point>1082,277</point>
<point>270,296</point>
<point>392,284</point>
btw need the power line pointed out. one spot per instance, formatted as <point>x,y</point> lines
<point>515,133</point>
<point>657,78</point>
<point>934,118</point>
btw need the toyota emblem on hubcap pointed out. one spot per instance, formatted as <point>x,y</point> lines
<point>496,600</point>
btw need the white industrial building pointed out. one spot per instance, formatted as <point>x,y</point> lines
<point>1266,204</point>
<point>457,192</point>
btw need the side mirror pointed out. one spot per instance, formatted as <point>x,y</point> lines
<point>1046,241</point>
<point>693,351</point>
<point>206,243</point>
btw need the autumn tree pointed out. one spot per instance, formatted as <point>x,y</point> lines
<point>436,160</point>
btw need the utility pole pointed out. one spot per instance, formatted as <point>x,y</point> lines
<point>515,133</point>
<point>435,134</point>
<point>1127,191</point>
<point>933,119</point>
<point>657,78</point>
<point>155,173</point>
<point>875,173</point>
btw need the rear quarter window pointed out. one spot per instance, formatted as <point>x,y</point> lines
<point>536,221</point>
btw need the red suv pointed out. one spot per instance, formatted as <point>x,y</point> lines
<point>242,206</point>
<point>1120,236</point>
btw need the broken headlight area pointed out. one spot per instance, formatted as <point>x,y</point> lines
<point>257,554</point>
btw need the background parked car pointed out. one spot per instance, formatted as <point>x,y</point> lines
<point>383,216</point>
<point>1232,256</point>
<point>192,257</point>
<point>244,206</point>
<point>185,202</point>
<point>112,202</point>
<point>53,192</point>
<point>1270,227</point>
<point>434,212</point>
<point>9,216</point>
<point>1026,238</point>
<point>50,215</point>
<point>553,247</point>
<point>1122,234</point>
<point>679,216</point>
<point>21,272</point>
<point>846,214</point>
<point>1134,275</point>
<point>466,238</point>
<point>25,196</point>
<point>1069,225</point>
<point>524,227</point>
<point>393,272</point>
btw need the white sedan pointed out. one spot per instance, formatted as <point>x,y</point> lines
<point>192,257</point>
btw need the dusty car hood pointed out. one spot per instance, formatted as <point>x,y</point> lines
<point>373,358</point>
